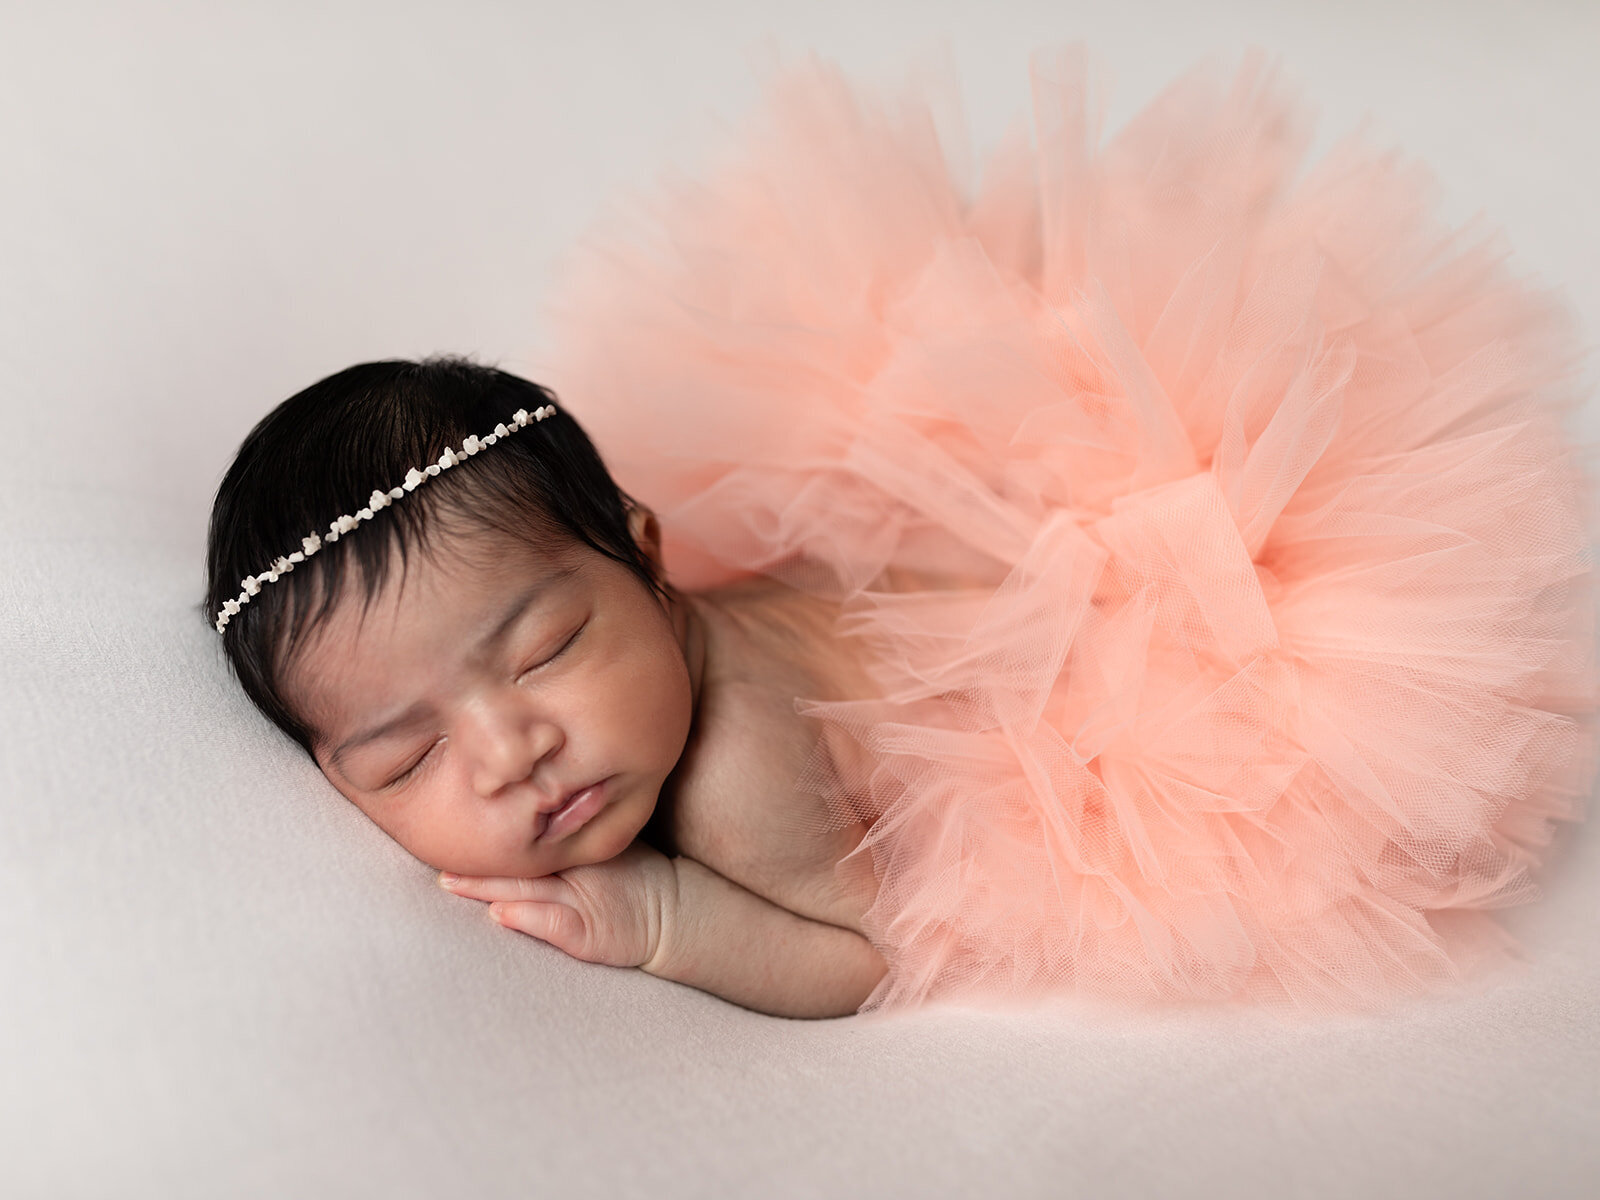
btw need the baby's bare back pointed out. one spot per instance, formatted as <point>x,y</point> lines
<point>738,801</point>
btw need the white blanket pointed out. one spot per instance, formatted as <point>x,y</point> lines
<point>217,979</point>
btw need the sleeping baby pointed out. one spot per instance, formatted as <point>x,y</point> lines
<point>500,675</point>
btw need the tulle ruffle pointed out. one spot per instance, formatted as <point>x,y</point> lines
<point>1225,560</point>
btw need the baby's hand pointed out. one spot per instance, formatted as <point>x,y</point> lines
<point>611,912</point>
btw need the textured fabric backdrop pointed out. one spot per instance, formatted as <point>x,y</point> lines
<point>220,980</point>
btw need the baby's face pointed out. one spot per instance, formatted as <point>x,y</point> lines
<point>472,700</point>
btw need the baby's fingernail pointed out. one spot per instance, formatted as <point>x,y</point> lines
<point>448,880</point>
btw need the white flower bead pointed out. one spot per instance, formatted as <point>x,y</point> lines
<point>270,576</point>
<point>521,417</point>
<point>490,439</point>
<point>413,478</point>
<point>471,445</point>
<point>346,523</point>
<point>312,544</point>
<point>231,607</point>
<point>297,557</point>
<point>448,459</point>
<point>378,500</point>
<point>282,565</point>
<point>249,584</point>
<point>244,597</point>
<point>364,514</point>
<point>501,430</point>
<point>396,492</point>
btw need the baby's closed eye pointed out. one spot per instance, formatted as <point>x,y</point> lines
<point>414,769</point>
<point>562,649</point>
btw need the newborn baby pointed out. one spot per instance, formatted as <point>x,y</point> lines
<point>499,674</point>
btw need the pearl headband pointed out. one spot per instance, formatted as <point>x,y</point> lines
<point>311,543</point>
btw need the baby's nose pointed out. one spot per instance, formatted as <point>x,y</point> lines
<point>492,773</point>
<point>504,746</point>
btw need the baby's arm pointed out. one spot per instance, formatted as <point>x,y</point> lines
<point>726,940</point>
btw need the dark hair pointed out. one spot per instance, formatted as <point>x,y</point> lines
<point>323,452</point>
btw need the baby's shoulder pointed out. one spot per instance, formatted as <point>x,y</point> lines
<point>738,792</point>
<point>777,643</point>
<point>740,806</point>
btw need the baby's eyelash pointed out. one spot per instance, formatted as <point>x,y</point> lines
<point>558,653</point>
<point>411,770</point>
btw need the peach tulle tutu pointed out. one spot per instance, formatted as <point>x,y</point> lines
<point>1225,554</point>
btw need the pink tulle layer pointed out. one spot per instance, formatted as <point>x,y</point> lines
<point>1225,556</point>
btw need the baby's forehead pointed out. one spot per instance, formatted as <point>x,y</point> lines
<point>373,631</point>
<point>453,542</point>
<point>452,559</point>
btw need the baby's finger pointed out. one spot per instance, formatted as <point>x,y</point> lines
<point>553,923</point>
<point>500,887</point>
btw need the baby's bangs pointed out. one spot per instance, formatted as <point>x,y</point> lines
<point>504,496</point>
<point>445,520</point>
<point>364,564</point>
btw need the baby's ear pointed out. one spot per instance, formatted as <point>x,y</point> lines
<point>645,531</point>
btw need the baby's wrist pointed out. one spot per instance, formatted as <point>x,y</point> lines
<point>665,924</point>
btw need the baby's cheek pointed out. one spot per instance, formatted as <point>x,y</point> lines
<point>670,699</point>
<point>651,695</point>
<point>442,827</point>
